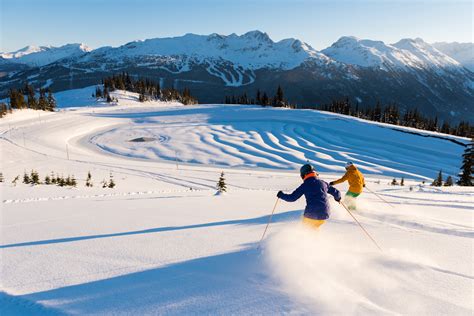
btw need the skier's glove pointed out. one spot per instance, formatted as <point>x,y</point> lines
<point>363,185</point>
<point>331,183</point>
<point>338,200</point>
<point>279,194</point>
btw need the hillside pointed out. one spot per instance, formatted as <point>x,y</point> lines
<point>162,242</point>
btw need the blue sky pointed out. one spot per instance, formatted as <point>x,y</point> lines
<point>319,23</point>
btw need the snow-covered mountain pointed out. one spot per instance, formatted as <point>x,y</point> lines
<point>43,55</point>
<point>405,54</point>
<point>411,73</point>
<point>253,50</point>
<point>461,52</point>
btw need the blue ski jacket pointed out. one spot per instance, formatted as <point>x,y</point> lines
<point>316,194</point>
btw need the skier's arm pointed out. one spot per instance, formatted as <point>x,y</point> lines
<point>344,178</point>
<point>295,195</point>
<point>334,192</point>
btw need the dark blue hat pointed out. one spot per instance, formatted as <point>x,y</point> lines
<point>305,169</point>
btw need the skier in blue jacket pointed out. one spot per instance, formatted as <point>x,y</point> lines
<point>316,193</point>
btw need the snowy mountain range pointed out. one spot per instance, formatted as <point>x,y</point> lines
<point>461,52</point>
<point>411,72</point>
<point>43,55</point>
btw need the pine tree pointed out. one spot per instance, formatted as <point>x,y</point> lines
<point>32,102</point>
<point>34,177</point>
<point>51,102</point>
<point>47,180</point>
<point>439,180</point>
<point>26,178</point>
<point>89,180</point>
<point>394,182</point>
<point>20,100</point>
<point>279,97</point>
<point>402,182</point>
<point>265,100</point>
<point>3,109</point>
<point>221,185</point>
<point>465,177</point>
<point>73,181</point>
<point>258,98</point>
<point>1,177</point>
<point>42,102</point>
<point>449,182</point>
<point>111,184</point>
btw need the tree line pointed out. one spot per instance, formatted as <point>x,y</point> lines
<point>147,89</point>
<point>391,114</point>
<point>26,98</point>
<point>261,98</point>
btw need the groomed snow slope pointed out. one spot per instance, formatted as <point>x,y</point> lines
<point>161,242</point>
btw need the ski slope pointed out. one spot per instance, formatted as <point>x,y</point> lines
<point>162,242</point>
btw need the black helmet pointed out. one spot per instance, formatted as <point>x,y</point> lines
<point>305,169</point>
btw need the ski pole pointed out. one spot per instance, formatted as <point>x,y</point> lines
<point>381,198</point>
<point>269,220</point>
<point>365,231</point>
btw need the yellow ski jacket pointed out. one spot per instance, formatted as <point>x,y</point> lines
<point>355,178</point>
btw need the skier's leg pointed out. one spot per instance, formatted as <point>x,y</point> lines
<point>312,223</point>
<point>350,200</point>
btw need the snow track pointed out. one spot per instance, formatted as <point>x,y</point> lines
<point>255,137</point>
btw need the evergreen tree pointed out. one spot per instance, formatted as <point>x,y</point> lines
<point>42,101</point>
<point>3,109</point>
<point>221,185</point>
<point>32,102</point>
<point>279,101</point>
<point>111,184</point>
<point>51,102</point>
<point>402,182</point>
<point>26,178</point>
<point>449,182</point>
<point>47,180</point>
<point>265,100</point>
<point>17,100</point>
<point>258,98</point>
<point>1,177</point>
<point>34,177</point>
<point>73,181</point>
<point>89,180</point>
<point>394,182</point>
<point>439,180</point>
<point>466,177</point>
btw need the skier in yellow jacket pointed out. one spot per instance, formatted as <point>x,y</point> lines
<point>356,184</point>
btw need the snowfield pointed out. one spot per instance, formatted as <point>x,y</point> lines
<point>162,242</point>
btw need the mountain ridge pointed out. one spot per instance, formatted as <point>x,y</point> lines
<point>411,72</point>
